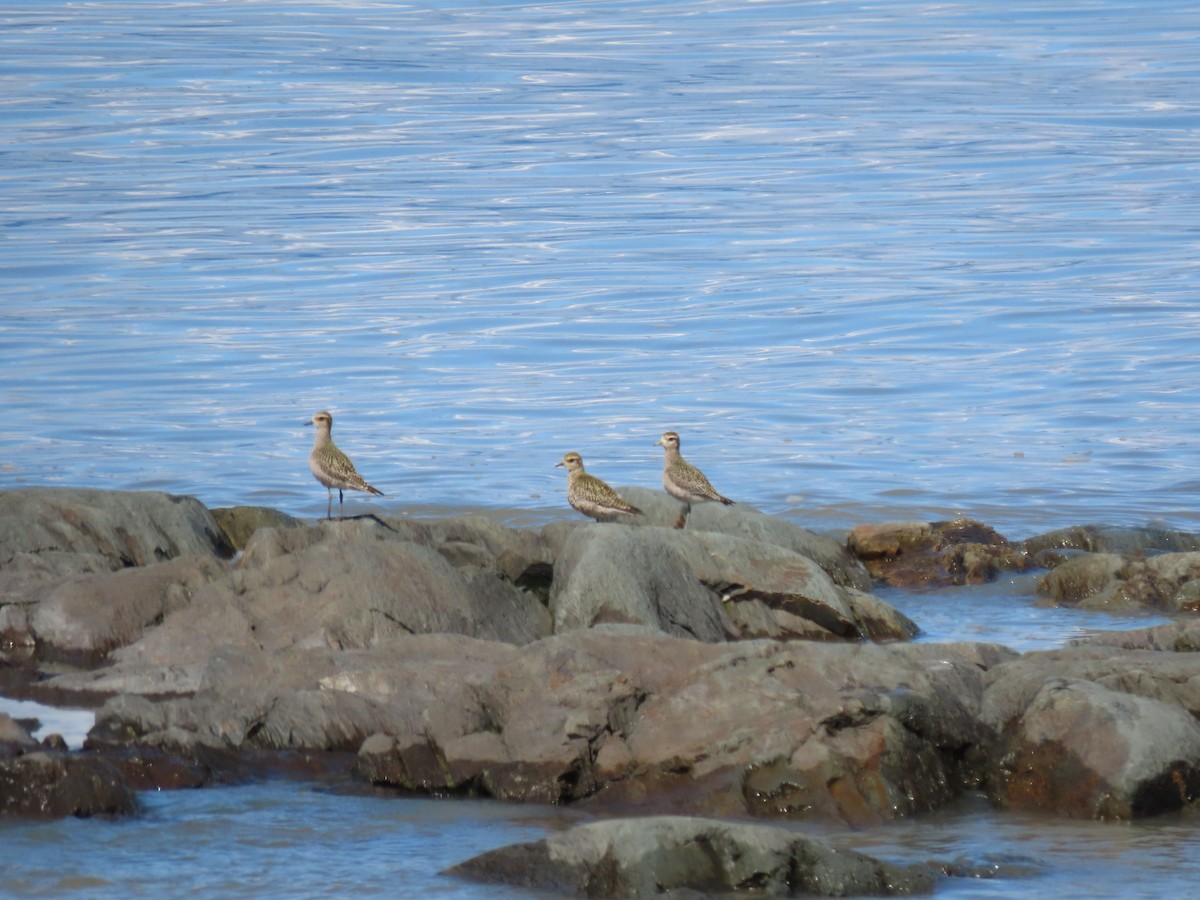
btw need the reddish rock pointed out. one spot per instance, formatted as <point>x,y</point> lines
<point>928,555</point>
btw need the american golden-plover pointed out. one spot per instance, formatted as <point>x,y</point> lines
<point>682,480</point>
<point>590,495</point>
<point>332,467</point>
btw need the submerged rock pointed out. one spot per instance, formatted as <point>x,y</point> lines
<point>1107,539</point>
<point>1115,583</point>
<point>54,785</point>
<point>659,855</point>
<point>936,554</point>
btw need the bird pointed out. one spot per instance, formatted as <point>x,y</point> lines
<point>590,495</point>
<point>332,467</point>
<point>682,480</point>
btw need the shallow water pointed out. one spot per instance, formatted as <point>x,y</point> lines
<point>267,839</point>
<point>1004,612</point>
<point>873,260</point>
<point>1038,856</point>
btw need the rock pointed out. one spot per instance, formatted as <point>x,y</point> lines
<point>17,643</point>
<point>607,573</point>
<point>924,555</point>
<point>1108,582</point>
<point>123,528</point>
<point>339,585</point>
<point>1079,578</point>
<point>524,558</point>
<point>53,785</point>
<point>1083,750</point>
<point>1176,637</point>
<point>86,616</point>
<point>661,855</point>
<point>745,522</point>
<point>890,539</point>
<point>316,698</point>
<point>607,716</point>
<point>1105,539</point>
<point>238,523</point>
<point>709,585</point>
<point>1011,686</point>
<point>14,738</point>
<point>879,621</point>
<point>822,731</point>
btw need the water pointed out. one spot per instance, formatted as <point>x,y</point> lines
<point>874,260</point>
<point>243,842</point>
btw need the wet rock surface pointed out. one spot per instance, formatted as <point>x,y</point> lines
<point>53,784</point>
<point>936,554</point>
<point>670,855</point>
<point>1115,583</point>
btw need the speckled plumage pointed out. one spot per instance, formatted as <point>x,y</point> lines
<point>590,495</point>
<point>682,480</point>
<point>332,467</point>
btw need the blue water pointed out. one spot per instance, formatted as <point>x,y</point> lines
<point>277,839</point>
<point>873,260</point>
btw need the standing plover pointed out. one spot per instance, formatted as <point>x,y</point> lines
<point>590,495</point>
<point>332,467</point>
<point>682,480</point>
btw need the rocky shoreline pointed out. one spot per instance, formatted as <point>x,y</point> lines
<point>739,669</point>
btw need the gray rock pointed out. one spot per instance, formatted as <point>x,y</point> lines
<point>339,585</point>
<point>610,573</point>
<point>1083,750</point>
<point>317,698</point>
<point>613,714</point>
<point>90,615</point>
<point>522,557</point>
<point>1176,637</point>
<point>123,528</point>
<point>1011,686</point>
<point>745,522</point>
<point>672,579</point>
<point>658,855</point>
<point>1081,578</point>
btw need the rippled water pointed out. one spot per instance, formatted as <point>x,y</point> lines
<point>875,259</point>
<point>871,259</point>
<point>276,839</point>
